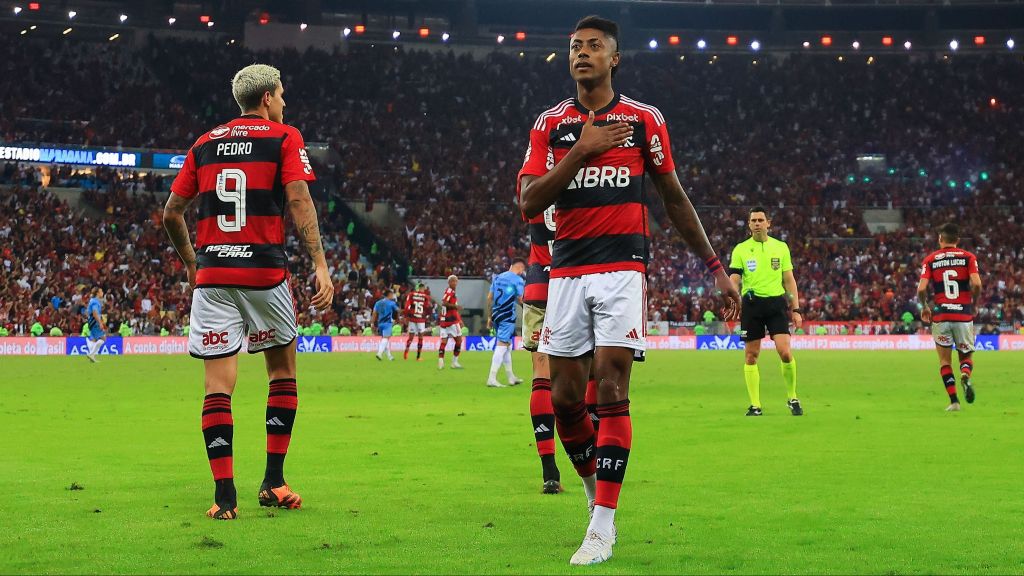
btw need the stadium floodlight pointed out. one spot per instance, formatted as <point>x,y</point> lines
<point>701,44</point>
<point>17,10</point>
<point>66,31</point>
<point>908,45</point>
<point>303,26</point>
<point>72,14</point>
<point>653,44</point>
<point>114,37</point>
<point>953,45</point>
<point>171,21</point>
<point>1010,43</point>
<point>209,24</point>
<point>23,32</point>
<point>550,58</point>
<point>856,45</point>
<point>123,18</point>
<point>755,45</point>
<point>395,34</point>
<point>501,38</point>
<point>345,32</point>
<point>445,36</point>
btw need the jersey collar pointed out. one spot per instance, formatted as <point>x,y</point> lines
<point>583,109</point>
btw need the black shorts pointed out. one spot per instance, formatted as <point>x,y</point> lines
<point>761,314</point>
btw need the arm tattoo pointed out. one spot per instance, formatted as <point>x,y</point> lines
<point>177,230</point>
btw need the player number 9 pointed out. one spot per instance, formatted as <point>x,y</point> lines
<point>236,197</point>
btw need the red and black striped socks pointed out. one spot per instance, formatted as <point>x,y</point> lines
<point>591,400</point>
<point>613,444</point>
<point>543,416</point>
<point>576,431</point>
<point>282,402</point>
<point>218,434</point>
<point>949,381</point>
<point>966,365</point>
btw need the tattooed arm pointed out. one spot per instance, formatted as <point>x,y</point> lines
<point>177,231</point>
<point>303,213</point>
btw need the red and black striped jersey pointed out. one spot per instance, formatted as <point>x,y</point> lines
<point>449,309</point>
<point>601,216</point>
<point>949,272</point>
<point>238,172</point>
<point>538,266</point>
<point>417,306</point>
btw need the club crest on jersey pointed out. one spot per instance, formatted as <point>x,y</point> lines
<point>219,132</point>
<point>776,263</point>
<point>752,265</point>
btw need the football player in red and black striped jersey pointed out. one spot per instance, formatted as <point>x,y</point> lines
<point>588,156</point>
<point>245,175</point>
<point>952,272</point>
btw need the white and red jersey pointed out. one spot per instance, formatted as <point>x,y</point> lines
<point>417,306</point>
<point>601,216</point>
<point>238,172</point>
<point>949,272</point>
<point>449,315</point>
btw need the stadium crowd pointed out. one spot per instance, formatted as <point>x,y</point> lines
<point>440,138</point>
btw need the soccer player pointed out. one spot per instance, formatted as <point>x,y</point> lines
<point>94,319</point>
<point>245,174</point>
<point>588,156</point>
<point>450,322</point>
<point>953,274</point>
<point>505,295</point>
<point>417,306</point>
<point>763,266</point>
<point>383,319</point>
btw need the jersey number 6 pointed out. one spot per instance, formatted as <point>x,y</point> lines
<point>949,285</point>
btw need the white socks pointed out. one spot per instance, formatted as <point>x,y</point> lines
<point>603,521</point>
<point>500,351</point>
<point>94,346</point>
<point>507,361</point>
<point>590,486</point>
<point>382,347</point>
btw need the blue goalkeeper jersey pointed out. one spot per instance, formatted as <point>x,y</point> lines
<point>505,289</point>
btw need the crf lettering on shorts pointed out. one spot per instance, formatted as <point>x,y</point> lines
<point>212,338</point>
<point>601,177</point>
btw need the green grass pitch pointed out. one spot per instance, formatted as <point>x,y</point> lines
<point>403,469</point>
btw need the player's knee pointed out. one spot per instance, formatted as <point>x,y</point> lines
<point>751,357</point>
<point>786,356</point>
<point>564,398</point>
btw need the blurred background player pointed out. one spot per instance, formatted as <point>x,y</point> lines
<point>953,275</point>
<point>585,158</point>
<point>417,307</point>
<point>383,320</point>
<point>764,267</point>
<point>503,299</point>
<point>450,321</point>
<point>94,319</point>
<point>243,175</point>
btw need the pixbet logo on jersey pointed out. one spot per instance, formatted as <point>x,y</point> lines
<point>229,250</point>
<point>213,339</point>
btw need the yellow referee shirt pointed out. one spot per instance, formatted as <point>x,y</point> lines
<point>761,265</point>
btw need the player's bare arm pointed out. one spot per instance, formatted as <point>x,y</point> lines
<point>490,302</point>
<point>99,321</point>
<point>684,217</point>
<point>539,192</point>
<point>922,297</point>
<point>793,296</point>
<point>975,287</point>
<point>303,212</point>
<point>177,231</point>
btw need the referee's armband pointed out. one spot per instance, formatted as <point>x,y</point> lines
<point>713,264</point>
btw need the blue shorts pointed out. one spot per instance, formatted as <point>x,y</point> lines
<point>384,329</point>
<point>506,331</point>
<point>97,334</point>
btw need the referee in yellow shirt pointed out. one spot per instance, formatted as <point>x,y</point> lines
<point>763,266</point>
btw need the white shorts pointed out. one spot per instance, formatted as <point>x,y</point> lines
<point>221,317</point>
<point>453,331</point>
<point>959,335</point>
<point>583,312</point>
<point>417,328</point>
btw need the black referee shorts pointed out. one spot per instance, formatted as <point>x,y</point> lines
<point>763,314</point>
